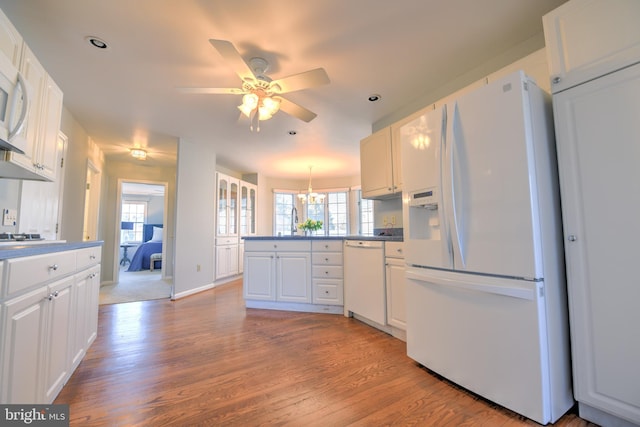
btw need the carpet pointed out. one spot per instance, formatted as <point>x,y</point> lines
<point>136,286</point>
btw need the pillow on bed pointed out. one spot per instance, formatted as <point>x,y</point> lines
<point>157,235</point>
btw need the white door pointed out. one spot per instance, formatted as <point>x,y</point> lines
<point>599,154</point>
<point>488,180</point>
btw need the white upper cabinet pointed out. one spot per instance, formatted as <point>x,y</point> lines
<point>380,165</point>
<point>40,159</point>
<point>10,40</point>
<point>589,38</point>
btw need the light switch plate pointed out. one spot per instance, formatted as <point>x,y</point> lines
<point>9,216</point>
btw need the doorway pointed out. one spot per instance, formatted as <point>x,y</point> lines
<point>139,270</point>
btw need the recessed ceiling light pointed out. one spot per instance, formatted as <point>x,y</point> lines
<point>97,42</point>
<point>375,97</point>
<point>292,132</point>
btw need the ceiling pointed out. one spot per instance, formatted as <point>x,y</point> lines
<point>126,95</point>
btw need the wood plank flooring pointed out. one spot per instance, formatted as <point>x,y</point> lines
<point>205,360</point>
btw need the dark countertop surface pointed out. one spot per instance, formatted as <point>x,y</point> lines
<point>351,237</point>
<point>22,249</point>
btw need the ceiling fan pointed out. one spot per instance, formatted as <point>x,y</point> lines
<point>262,98</point>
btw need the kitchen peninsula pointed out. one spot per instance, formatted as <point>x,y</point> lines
<point>306,273</point>
<point>49,315</point>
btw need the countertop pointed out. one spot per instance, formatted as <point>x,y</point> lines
<point>351,237</point>
<point>22,249</point>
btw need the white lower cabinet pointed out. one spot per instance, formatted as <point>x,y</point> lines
<point>58,336</point>
<point>327,272</point>
<point>226,261</point>
<point>277,271</point>
<point>86,302</point>
<point>300,275</point>
<point>396,286</point>
<point>23,340</point>
<point>47,326</point>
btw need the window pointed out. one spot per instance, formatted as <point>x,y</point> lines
<point>282,208</point>
<point>365,215</point>
<point>333,212</point>
<point>135,212</point>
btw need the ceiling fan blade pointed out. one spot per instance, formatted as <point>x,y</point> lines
<point>308,79</point>
<point>212,90</point>
<point>232,56</point>
<point>296,110</point>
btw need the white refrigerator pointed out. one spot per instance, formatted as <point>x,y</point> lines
<point>486,289</point>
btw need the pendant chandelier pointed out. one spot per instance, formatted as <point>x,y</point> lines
<point>310,196</point>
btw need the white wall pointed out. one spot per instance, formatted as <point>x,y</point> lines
<point>195,213</point>
<point>79,150</point>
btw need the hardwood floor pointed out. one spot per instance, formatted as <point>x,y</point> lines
<point>205,360</point>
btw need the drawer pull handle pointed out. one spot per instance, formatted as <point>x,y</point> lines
<point>52,296</point>
<point>53,267</point>
<point>92,257</point>
<point>326,272</point>
<point>326,259</point>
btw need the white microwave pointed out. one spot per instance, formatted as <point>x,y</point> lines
<point>14,106</point>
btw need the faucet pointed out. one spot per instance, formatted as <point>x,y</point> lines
<point>294,220</point>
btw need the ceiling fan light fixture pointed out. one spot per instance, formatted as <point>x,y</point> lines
<point>138,153</point>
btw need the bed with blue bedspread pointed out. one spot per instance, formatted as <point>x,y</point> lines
<point>152,238</point>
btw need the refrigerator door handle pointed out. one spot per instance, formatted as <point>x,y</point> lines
<point>455,229</point>
<point>443,215</point>
<point>508,291</point>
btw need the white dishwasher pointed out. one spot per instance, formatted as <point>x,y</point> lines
<point>364,281</point>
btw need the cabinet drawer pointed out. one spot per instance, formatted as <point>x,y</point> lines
<point>25,272</point>
<point>394,249</point>
<point>88,257</point>
<point>328,291</point>
<point>220,241</point>
<point>277,245</point>
<point>328,271</point>
<point>326,258</point>
<point>326,245</point>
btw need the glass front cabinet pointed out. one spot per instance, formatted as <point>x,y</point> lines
<point>236,202</point>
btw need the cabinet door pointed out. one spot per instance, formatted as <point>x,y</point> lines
<point>259,276</point>
<point>86,300</point>
<point>93,294</point>
<point>293,276</point>
<point>376,173</point>
<point>590,38</point>
<point>600,205</point>
<point>10,40</point>
<point>48,150</point>
<point>226,260</point>
<point>232,213</point>
<point>81,301</point>
<point>396,294</point>
<point>23,340</point>
<point>36,76</point>
<point>59,324</point>
<point>223,202</point>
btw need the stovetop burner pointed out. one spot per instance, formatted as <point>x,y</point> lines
<point>19,237</point>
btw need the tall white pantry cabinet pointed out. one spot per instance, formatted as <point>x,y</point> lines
<point>593,48</point>
<point>236,202</point>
